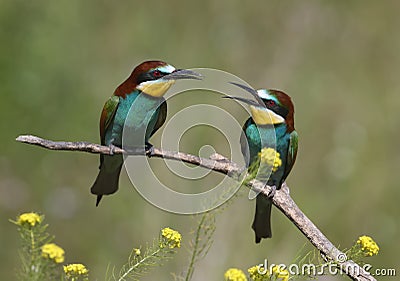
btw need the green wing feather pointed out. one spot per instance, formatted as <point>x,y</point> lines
<point>162,116</point>
<point>107,115</point>
<point>244,145</point>
<point>292,152</point>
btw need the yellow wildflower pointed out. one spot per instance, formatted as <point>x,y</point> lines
<point>368,245</point>
<point>54,252</point>
<point>234,274</point>
<point>172,237</point>
<point>255,274</point>
<point>137,252</point>
<point>280,273</point>
<point>75,270</point>
<point>270,157</point>
<point>29,219</point>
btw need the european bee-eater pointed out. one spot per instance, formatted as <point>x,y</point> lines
<point>275,116</point>
<point>142,92</point>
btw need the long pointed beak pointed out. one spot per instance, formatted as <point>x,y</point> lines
<point>250,90</point>
<point>183,74</point>
<point>248,101</point>
<point>246,88</point>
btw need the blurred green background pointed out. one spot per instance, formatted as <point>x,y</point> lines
<point>339,60</point>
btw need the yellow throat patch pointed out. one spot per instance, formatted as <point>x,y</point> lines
<point>155,88</point>
<point>265,116</point>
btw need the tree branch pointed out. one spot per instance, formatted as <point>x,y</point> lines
<point>219,163</point>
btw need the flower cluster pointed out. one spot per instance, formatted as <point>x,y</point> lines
<point>234,274</point>
<point>75,270</point>
<point>171,237</point>
<point>255,274</point>
<point>275,273</point>
<point>368,245</point>
<point>30,219</point>
<point>53,252</point>
<point>280,273</point>
<point>270,157</point>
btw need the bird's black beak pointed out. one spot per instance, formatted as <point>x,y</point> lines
<point>246,88</point>
<point>183,74</point>
<point>253,92</point>
<point>248,101</point>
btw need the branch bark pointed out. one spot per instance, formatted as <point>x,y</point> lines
<point>218,163</point>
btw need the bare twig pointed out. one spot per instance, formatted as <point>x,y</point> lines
<point>218,163</point>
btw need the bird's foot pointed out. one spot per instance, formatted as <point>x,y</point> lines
<point>271,194</point>
<point>112,148</point>
<point>149,149</point>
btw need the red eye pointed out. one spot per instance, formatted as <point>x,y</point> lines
<point>270,103</point>
<point>156,73</point>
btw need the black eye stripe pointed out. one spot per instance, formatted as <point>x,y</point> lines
<point>149,76</point>
<point>271,104</point>
<point>275,107</point>
<point>157,73</point>
<point>282,111</point>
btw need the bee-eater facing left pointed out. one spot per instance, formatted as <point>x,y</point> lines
<point>137,105</point>
<point>271,119</point>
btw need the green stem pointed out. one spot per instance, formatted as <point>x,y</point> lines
<point>33,267</point>
<point>138,263</point>
<point>195,248</point>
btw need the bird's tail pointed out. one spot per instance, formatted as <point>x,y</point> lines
<point>262,218</point>
<point>108,177</point>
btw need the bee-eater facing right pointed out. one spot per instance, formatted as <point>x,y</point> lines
<point>275,120</point>
<point>138,106</point>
